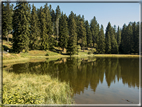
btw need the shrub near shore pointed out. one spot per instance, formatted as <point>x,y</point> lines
<point>34,89</point>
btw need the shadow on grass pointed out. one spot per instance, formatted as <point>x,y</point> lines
<point>56,50</point>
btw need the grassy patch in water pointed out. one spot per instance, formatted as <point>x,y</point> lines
<point>34,89</point>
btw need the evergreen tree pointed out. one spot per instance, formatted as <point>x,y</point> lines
<point>108,39</point>
<point>123,36</point>
<point>82,34</point>
<point>97,34</point>
<point>58,14</point>
<point>129,38</point>
<point>136,39</point>
<point>88,34</point>
<point>43,27</point>
<point>118,36</point>
<point>53,18</point>
<point>72,43</point>
<point>126,40</point>
<point>7,13</point>
<point>114,31</point>
<point>48,25</point>
<point>63,31</point>
<point>35,32</point>
<point>77,21</point>
<point>94,30</point>
<point>21,24</point>
<point>101,42</point>
<point>135,43</point>
<point>114,46</point>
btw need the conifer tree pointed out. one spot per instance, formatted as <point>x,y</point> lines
<point>118,36</point>
<point>63,32</point>
<point>101,41</point>
<point>77,21</point>
<point>43,27</point>
<point>35,32</point>
<point>127,39</point>
<point>72,43</point>
<point>88,34</point>
<point>123,36</point>
<point>135,43</point>
<point>82,34</point>
<point>53,18</point>
<point>58,14</point>
<point>108,39</point>
<point>114,46</point>
<point>114,31</point>
<point>94,30</point>
<point>136,39</point>
<point>21,24</point>
<point>7,13</point>
<point>48,25</point>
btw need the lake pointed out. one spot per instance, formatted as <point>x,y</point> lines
<point>93,80</point>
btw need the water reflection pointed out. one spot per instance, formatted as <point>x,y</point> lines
<point>81,73</point>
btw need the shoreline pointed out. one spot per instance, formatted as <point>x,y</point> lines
<point>32,58</point>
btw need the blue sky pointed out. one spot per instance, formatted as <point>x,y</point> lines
<point>116,13</point>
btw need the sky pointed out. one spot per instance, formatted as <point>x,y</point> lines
<point>115,13</point>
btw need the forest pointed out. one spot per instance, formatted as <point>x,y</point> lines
<point>45,28</point>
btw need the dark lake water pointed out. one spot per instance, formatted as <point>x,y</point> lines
<point>93,80</point>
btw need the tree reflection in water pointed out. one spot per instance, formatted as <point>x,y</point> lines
<point>82,72</point>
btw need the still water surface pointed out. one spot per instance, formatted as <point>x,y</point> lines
<point>93,80</point>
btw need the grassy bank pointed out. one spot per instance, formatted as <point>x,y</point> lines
<point>34,89</point>
<point>14,58</point>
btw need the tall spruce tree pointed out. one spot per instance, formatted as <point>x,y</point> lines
<point>63,32</point>
<point>21,24</point>
<point>94,30</point>
<point>136,39</point>
<point>118,36</point>
<point>88,34</point>
<point>53,19</point>
<point>35,32</point>
<point>7,13</point>
<point>126,40</point>
<point>101,41</point>
<point>82,34</point>
<point>108,39</point>
<point>123,36</point>
<point>48,25</point>
<point>72,43</point>
<point>43,27</point>
<point>135,43</point>
<point>114,46</point>
<point>58,14</point>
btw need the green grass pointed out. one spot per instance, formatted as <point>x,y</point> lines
<point>34,89</point>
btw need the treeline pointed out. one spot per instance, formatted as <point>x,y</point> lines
<point>44,28</point>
